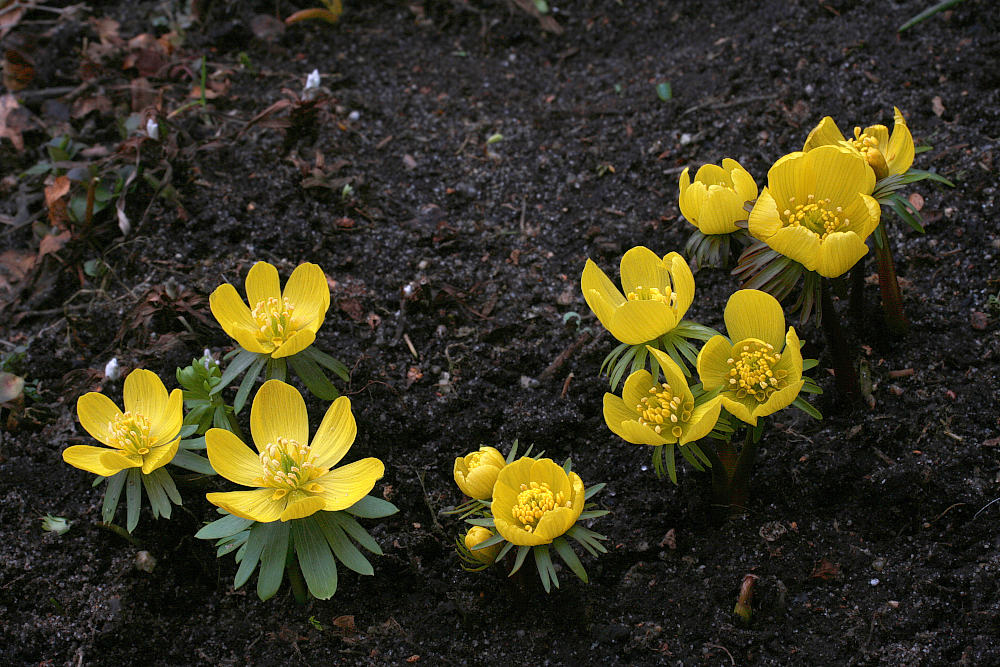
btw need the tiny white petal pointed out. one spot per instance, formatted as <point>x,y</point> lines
<point>313,80</point>
<point>152,129</point>
<point>111,370</point>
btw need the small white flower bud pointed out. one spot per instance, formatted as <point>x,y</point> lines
<point>312,81</point>
<point>111,370</point>
<point>152,129</point>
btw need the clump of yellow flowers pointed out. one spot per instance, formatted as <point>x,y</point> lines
<point>275,328</point>
<point>533,504</point>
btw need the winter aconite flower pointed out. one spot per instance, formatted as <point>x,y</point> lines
<point>474,537</point>
<point>886,154</point>
<point>476,473</point>
<point>657,293</point>
<point>815,209</point>
<point>714,201</point>
<point>294,477</point>
<point>278,323</point>
<point>758,369</point>
<point>144,436</point>
<point>536,501</point>
<point>659,413</point>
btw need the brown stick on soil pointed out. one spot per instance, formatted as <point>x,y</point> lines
<point>564,355</point>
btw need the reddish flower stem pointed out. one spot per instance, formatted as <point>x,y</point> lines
<point>892,298</point>
<point>848,386</point>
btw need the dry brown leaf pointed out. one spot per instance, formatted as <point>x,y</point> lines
<point>83,106</point>
<point>14,121</point>
<point>916,200</point>
<point>54,193</point>
<point>937,105</point>
<point>10,18</point>
<point>52,243</point>
<point>11,386</point>
<point>106,29</point>
<point>14,266</point>
<point>18,70</point>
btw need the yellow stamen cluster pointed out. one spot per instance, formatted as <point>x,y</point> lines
<point>870,149</point>
<point>816,216</point>
<point>753,372</point>
<point>534,501</point>
<point>641,293</point>
<point>273,318</point>
<point>287,465</point>
<point>662,409</point>
<point>863,142</point>
<point>130,432</point>
<point>474,460</point>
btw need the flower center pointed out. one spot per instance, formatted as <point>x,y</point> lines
<point>869,148</point>
<point>474,460</point>
<point>288,466</point>
<point>534,501</point>
<point>130,432</point>
<point>641,293</point>
<point>273,317</point>
<point>753,373</point>
<point>816,216</point>
<point>661,409</point>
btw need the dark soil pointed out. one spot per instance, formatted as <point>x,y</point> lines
<point>865,528</point>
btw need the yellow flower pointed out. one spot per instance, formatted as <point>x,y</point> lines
<point>886,155</point>
<point>144,436</point>
<point>814,209</point>
<point>479,534</point>
<point>651,413</point>
<point>276,323</point>
<point>760,370</point>
<point>293,476</point>
<point>657,294</point>
<point>535,501</point>
<point>714,201</point>
<point>475,473</point>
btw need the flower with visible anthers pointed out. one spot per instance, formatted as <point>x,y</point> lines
<point>294,477</point>
<point>659,413</point>
<point>145,435</point>
<point>536,501</point>
<point>886,154</point>
<point>758,369</point>
<point>657,294</point>
<point>277,322</point>
<point>816,210</point>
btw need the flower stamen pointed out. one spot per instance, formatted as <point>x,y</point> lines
<point>752,373</point>
<point>817,216</point>
<point>662,409</point>
<point>534,500</point>
<point>130,432</point>
<point>287,466</point>
<point>273,317</point>
<point>641,293</point>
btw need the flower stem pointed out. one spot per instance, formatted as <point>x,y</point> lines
<point>847,378</point>
<point>296,580</point>
<point>892,298</point>
<point>857,303</point>
<point>731,474</point>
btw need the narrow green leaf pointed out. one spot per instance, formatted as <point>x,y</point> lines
<point>807,408</point>
<point>568,466</point>
<point>543,563</point>
<point>193,462</point>
<point>188,429</point>
<point>254,548</point>
<point>192,443</point>
<point>227,526</point>
<point>111,495</point>
<point>690,458</point>
<point>356,531</point>
<point>569,557</point>
<point>485,522</point>
<point>133,498</point>
<point>272,560</point>
<point>593,514</point>
<point>671,459</point>
<point>927,13</point>
<point>157,496</point>
<point>248,381</point>
<point>277,369</point>
<point>315,559</point>
<point>371,507</point>
<point>167,482</point>
<point>503,551</point>
<point>489,542</point>
<point>242,362</point>
<point>343,548</point>
<point>522,552</point>
<point>327,362</point>
<point>593,490</point>
<point>314,379</point>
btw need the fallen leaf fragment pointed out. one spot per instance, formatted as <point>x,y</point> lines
<point>11,386</point>
<point>937,105</point>
<point>14,121</point>
<point>978,320</point>
<point>825,570</point>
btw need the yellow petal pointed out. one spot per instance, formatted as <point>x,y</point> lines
<point>617,413</point>
<point>145,395</point>
<point>278,411</point>
<point>791,357</point>
<point>159,456</point>
<point>841,174</point>
<point>96,411</point>
<point>743,182</point>
<point>295,343</point>
<point>478,482</point>
<point>880,133</point>
<point>335,434</point>
<point>636,322</point>
<point>791,176</point>
<point>170,422</point>
<point>262,283</point>
<point>256,505</point>
<point>554,523</point>
<point>300,509</point>
<point>713,174</point>
<point>114,459</point>
<point>838,253</point>
<point>682,283</point>
<point>230,311</point>
<point>515,534</point>
<point>637,386</point>
<point>231,458</point>
<point>548,472</point>
<point>687,199</point>
<point>504,496</point>
<point>600,293</point>
<point>713,368</point>
<point>873,217</point>
<point>346,485</point>
<point>824,134</point>
<point>703,420</point>
<point>764,220</point>
<point>308,291</point>
<point>641,267</point>
<point>900,151</point>
<point>779,400</point>
<point>88,457</point>
<point>672,373</point>
<point>740,409</point>
<point>752,313</point>
<point>638,434</point>
<point>797,243</point>
<point>720,211</point>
